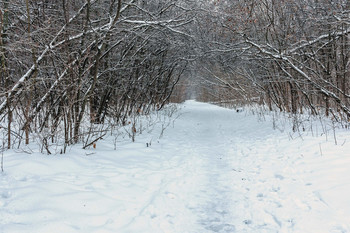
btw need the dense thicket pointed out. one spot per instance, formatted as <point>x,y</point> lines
<point>63,61</point>
<point>66,62</point>
<point>290,54</point>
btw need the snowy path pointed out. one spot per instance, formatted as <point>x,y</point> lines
<point>215,171</point>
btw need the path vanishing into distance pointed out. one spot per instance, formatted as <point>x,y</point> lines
<point>214,170</point>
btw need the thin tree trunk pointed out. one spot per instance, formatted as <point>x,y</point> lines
<point>31,86</point>
<point>3,69</point>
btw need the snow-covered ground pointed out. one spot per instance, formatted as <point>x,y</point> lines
<point>216,170</point>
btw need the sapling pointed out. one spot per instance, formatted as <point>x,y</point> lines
<point>148,144</point>
<point>334,134</point>
<point>320,149</point>
<point>2,154</point>
<point>2,160</point>
<point>115,141</point>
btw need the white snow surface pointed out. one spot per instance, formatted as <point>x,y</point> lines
<point>216,170</point>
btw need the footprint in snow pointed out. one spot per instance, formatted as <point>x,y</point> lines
<point>5,194</point>
<point>275,189</point>
<point>278,176</point>
<point>339,229</point>
<point>247,222</point>
<point>170,195</point>
<point>222,228</point>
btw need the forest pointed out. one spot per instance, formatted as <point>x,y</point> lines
<point>69,68</point>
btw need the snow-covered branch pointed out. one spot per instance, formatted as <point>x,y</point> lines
<point>33,68</point>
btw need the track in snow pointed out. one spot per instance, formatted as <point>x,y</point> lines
<point>216,171</point>
<point>247,177</point>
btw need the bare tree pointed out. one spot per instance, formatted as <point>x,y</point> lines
<point>88,59</point>
<point>294,54</point>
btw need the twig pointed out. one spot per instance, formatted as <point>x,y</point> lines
<point>2,160</point>
<point>100,137</point>
<point>343,143</point>
<point>334,134</point>
<point>320,149</point>
<point>2,155</point>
